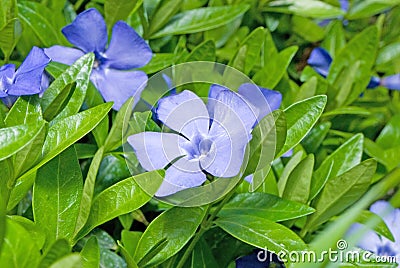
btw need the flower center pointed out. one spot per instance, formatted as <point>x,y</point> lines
<point>205,146</point>
<point>99,60</point>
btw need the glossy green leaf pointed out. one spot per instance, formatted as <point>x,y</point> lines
<point>70,261</point>
<point>262,233</point>
<point>351,69</point>
<point>265,206</point>
<point>58,250</point>
<point>342,191</point>
<point>307,29</point>
<point>203,52</point>
<point>390,134</point>
<point>130,241</point>
<point>37,18</point>
<point>366,217</point>
<point>201,19</point>
<point>90,254</point>
<point>344,158</point>
<point>300,118</point>
<point>355,110</point>
<point>35,232</point>
<point>57,193</point>
<point>14,139</point>
<point>164,11</point>
<point>335,38</point>
<point>121,198</point>
<point>274,68</point>
<point>289,167</point>
<point>175,227</point>
<point>158,62</point>
<point>117,135</point>
<point>88,191</point>
<point>25,110</point>
<point>56,94</point>
<point>9,36</point>
<point>248,53</point>
<point>116,10</point>
<point>366,9</point>
<point>298,184</point>
<point>18,250</point>
<point>202,256</point>
<point>316,136</point>
<point>305,8</point>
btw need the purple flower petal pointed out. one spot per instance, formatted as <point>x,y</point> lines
<point>88,31</point>
<point>66,55</point>
<point>177,180</point>
<point>389,214</point>
<point>185,113</point>
<point>374,82</point>
<point>229,133</point>
<point>127,49</point>
<point>370,240</point>
<point>6,78</point>
<point>28,77</point>
<point>320,60</point>
<point>155,150</point>
<point>265,100</point>
<point>391,82</point>
<point>212,96</point>
<point>118,86</point>
<point>344,5</point>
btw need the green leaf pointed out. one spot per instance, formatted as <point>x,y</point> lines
<point>57,193</point>
<point>35,232</point>
<point>305,8</point>
<point>14,139</point>
<point>269,133</point>
<point>316,136</point>
<point>115,10</point>
<point>274,68</point>
<point>175,227</point>
<point>390,134</point>
<point>60,136</point>
<point>265,206</point>
<point>90,253</point>
<point>36,17</point>
<point>57,93</point>
<point>25,110</point>
<point>367,9</point>
<point>9,36</point>
<point>248,53</point>
<point>202,256</point>
<point>88,191</point>
<point>297,187</point>
<point>164,11</point>
<point>300,118</point>
<point>262,233</point>
<point>203,52</point>
<point>290,166</point>
<point>342,191</point>
<point>307,29</point>
<point>158,62</point>
<point>344,158</point>
<point>348,110</point>
<point>351,69</point>
<point>70,261</point>
<point>19,249</point>
<point>117,135</point>
<point>121,198</point>
<point>379,226</point>
<point>335,38</point>
<point>130,241</point>
<point>201,19</point>
<point>58,249</point>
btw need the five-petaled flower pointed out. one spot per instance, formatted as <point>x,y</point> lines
<point>212,139</point>
<point>320,61</point>
<point>380,245</point>
<point>26,80</point>
<point>127,50</point>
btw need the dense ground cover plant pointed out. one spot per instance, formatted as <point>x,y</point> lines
<point>180,133</point>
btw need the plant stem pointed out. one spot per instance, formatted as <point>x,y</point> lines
<point>204,226</point>
<point>78,4</point>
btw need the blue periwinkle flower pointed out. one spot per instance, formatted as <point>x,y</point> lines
<point>127,50</point>
<point>26,80</point>
<point>259,259</point>
<point>321,61</point>
<point>211,140</point>
<point>380,245</point>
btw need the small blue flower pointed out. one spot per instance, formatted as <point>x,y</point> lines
<point>321,61</point>
<point>380,245</point>
<point>259,259</point>
<point>127,50</point>
<point>212,138</point>
<point>26,80</point>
